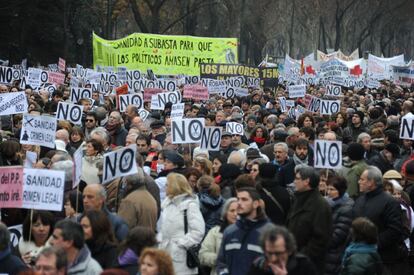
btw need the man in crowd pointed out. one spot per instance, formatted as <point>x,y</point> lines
<point>90,124</point>
<point>116,130</point>
<point>52,260</point>
<point>285,165</point>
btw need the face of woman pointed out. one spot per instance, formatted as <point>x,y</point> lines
<point>259,132</point>
<point>232,213</point>
<point>87,228</point>
<point>332,192</point>
<point>254,171</point>
<point>192,180</point>
<point>198,166</point>
<point>69,211</point>
<point>168,165</point>
<point>216,165</point>
<point>75,137</point>
<point>307,122</point>
<point>148,266</point>
<point>26,147</point>
<point>40,232</point>
<point>339,120</point>
<point>90,151</point>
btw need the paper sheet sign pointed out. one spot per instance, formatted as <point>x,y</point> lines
<point>13,103</point>
<point>187,130</point>
<point>38,130</point>
<point>70,112</point>
<point>211,138</point>
<point>297,91</point>
<point>328,154</point>
<point>407,127</point>
<point>119,163</point>
<point>235,128</point>
<point>11,187</point>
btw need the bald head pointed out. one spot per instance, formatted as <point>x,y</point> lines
<point>331,136</point>
<point>136,122</point>
<point>63,135</point>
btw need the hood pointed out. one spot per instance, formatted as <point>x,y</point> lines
<point>209,201</point>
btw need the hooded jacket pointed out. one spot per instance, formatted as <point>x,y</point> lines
<point>84,264</point>
<point>210,209</point>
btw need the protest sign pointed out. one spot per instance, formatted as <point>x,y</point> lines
<point>224,71</point>
<point>211,138</point>
<point>407,127</point>
<point>77,161</point>
<point>130,99</point>
<point>235,81</point>
<point>297,91</point>
<point>215,86</point>
<point>241,91</point>
<point>333,90</point>
<point>269,77</point>
<point>122,75</point>
<point>11,179</point>
<point>283,106</point>
<point>164,54</point>
<point>187,130</point>
<point>329,107</point>
<point>62,64</point>
<point>149,92</point>
<point>55,78</point>
<point>143,114</point>
<point>314,104</point>
<point>78,93</point>
<point>380,68</point>
<point>328,154</point>
<point>43,189</point>
<point>16,232</point>
<point>31,158</point>
<point>13,103</point>
<point>196,92</point>
<point>158,101</point>
<point>119,163</point>
<point>290,103</point>
<point>8,75</point>
<point>38,130</point>
<point>404,75</point>
<point>235,128</point>
<point>69,112</point>
<point>177,110</point>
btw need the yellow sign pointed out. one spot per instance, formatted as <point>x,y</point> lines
<point>163,54</point>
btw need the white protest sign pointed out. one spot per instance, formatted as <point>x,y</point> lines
<point>122,77</point>
<point>70,112</point>
<point>78,93</point>
<point>186,130</point>
<point>34,77</point>
<point>407,127</point>
<point>177,110</point>
<point>38,130</point>
<point>229,92</point>
<point>130,99</point>
<point>290,103</point>
<point>329,107</point>
<point>314,104</point>
<point>143,114</point>
<point>235,128</point>
<point>283,106</point>
<point>215,86</point>
<point>119,163</point>
<point>235,81</point>
<point>77,161</point>
<point>328,154</point>
<point>43,189</point>
<point>297,91</point>
<point>155,105</point>
<point>62,64</point>
<point>333,90</point>
<point>241,91</point>
<point>159,100</point>
<point>31,158</point>
<point>211,138</point>
<point>13,103</point>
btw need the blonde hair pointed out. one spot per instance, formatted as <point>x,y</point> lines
<point>177,184</point>
<point>207,183</point>
<point>205,164</point>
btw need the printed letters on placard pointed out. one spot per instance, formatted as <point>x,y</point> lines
<point>328,154</point>
<point>119,163</point>
<point>187,130</point>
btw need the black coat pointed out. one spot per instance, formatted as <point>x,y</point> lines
<point>342,220</point>
<point>286,173</point>
<point>380,162</point>
<point>106,254</point>
<point>11,264</point>
<point>385,212</point>
<point>298,264</point>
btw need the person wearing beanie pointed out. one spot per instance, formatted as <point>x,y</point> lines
<point>228,173</point>
<point>251,121</point>
<point>386,158</point>
<point>358,165</point>
<point>276,198</point>
<point>356,127</point>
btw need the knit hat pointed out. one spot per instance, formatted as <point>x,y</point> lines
<point>392,174</point>
<point>229,171</point>
<point>355,151</point>
<point>267,170</point>
<point>393,149</point>
<point>252,117</point>
<point>174,157</point>
<point>252,153</point>
<point>360,114</point>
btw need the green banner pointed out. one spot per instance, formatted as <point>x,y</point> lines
<point>164,54</point>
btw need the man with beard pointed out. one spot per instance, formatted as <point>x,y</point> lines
<point>116,129</point>
<point>303,154</point>
<point>240,245</point>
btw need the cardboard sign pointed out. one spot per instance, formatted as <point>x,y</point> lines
<point>43,189</point>
<point>143,114</point>
<point>297,91</point>
<point>328,154</point>
<point>235,128</point>
<point>130,99</point>
<point>38,130</point>
<point>62,64</point>
<point>119,163</point>
<point>78,93</point>
<point>196,92</point>
<point>211,138</point>
<point>407,127</point>
<point>187,130</point>
<point>283,106</point>
<point>77,161</point>
<point>11,186</point>
<point>158,101</point>
<point>149,92</point>
<point>70,112</point>
<point>333,90</point>
<point>8,74</point>
<point>177,110</point>
<point>329,107</point>
<point>238,91</point>
<point>290,103</point>
<point>13,103</point>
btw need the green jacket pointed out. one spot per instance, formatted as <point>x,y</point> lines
<point>352,178</point>
<point>362,264</point>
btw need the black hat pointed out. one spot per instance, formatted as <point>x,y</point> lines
<point>267,170</point>
<point>229,171</point>
<point>252,153</point>
<point>360,114</point>
<point>393,149</point>
<point>168,105</point>
<point>174,157</point>
<point>280,135</point>
<point>355,151</point>
<point>156,124</point>
<point>227,104</point>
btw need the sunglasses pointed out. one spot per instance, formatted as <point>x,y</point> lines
<point>90,120</point>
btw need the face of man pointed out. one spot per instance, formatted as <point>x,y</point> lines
<point>86,106</point>
<point>236,140</point>
<point>276,252</point>
<point>95,96</point>
<point>3,89</point>
<point>114,119</point>
<point>91,199</point>
<point>130,139</point>
<point>356,120</point>
<point>46,265</point>
<point>90,122</point>
<point>366,143</point>
<point>225,141</point>
<point>219,117</point>
<point>365,185</point>
<point>301,185</point>
<point>251,123</point>
<point>388,156</point>
<point>280,154</point>
<point>130,112</point>
<point>246,207</point>
<point>58,241</point>
<point>301,152</point>
<point>142,146</point>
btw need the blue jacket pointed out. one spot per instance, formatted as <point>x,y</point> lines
<point>240,246</point>
<point>210,209</point>
<point>118,224</point>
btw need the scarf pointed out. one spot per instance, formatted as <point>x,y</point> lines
<point>259,140</point>
<point>337,201</point>
<point>112,131</point>
<point>360,248</point>
<point>298,161</point>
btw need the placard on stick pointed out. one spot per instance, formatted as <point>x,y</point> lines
<point>407,127</point>
<point>328,154</point>
<point>119,163</point>
<point>235,128</point>
<point>187,130</point>
<point>11,186</point>
<point>38,130</point>
<point>70,112</point>
<point>211,138</point>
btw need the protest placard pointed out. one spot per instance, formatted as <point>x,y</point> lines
<point>314,104</point>
<point>235,128</point>
<point>8,74</point>
<point>297,91</point>
<point>290,103</point>
<point>55,78</point>
<point>130,99</point>
<point>43,189</point>
<point>70,112</point>
<point>78,93</point>
<point>158,101</point>
<point>177,110</point>
<point>119,163</point>
<point>16,232</point>
<point>143,114</point>
<point>283,106</point>
<point>328,154</point>
<point>149,92</point>
<point>62,64</point>
<point>187,130</point>
<point>407,127</point>
<point>211,138</point>
<point>77,161</point>
<point>333,90</point>
<point>196,92</point>
<point>38,130</point>
<point>329,107</point>
<point>13,103</point>
<point>215,86</point>
<point>11,179</point>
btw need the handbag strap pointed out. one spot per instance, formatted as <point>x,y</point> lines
<point>185,222</point>
<point>274,200</point>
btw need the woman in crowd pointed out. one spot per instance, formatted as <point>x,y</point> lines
<point>217,162</point>
<point>182,225</point>
<point>306,120</point>
<point>36,234</point>
<point>73,205</point>
<point>211,244</point>
<point>99,237</point>
<point>156,262</point>
<point>76,137</point>
<point>93,155</point>
<point>203,165</point>
<point>254,171</point>
<point>193,175</point>
<point>259,135</point>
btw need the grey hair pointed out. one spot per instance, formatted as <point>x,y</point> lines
<point>283,145</point>
<point>61,156</point>
<point>259,161</point>
<point>271,233</point>
<point>136,180</point>
<point>4,237</point>
<point>308,172</point>
<point>237,158</point>
<point>60,254</point>
<point>272,119</point>
<point>66,166</point>
<point>103,133</point>
<point>226,207</point>
<point>361,136</point>
<point>374,174</point>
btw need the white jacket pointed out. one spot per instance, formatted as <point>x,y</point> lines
<point>210,248</point>
<point>173,238</point>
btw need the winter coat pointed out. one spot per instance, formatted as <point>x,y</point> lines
<point>210,209</point>
<point>286,172</point>
<point>385,212</point>
<point>11,264</point>
<point>119,137</point>
<point>104,254</point>
<point>352,133</point>
<point>173,237</point>
<point>84,264</point>
<point>240,246</point>
<point>361,259</point>
<point>89,170</point>
<point>298,264</point>
<point>139,208</point>
<point>210,248</point>
<point>118,225</point>
<point>310,221</point>
<point>352,177</point>
<point>380,162</point>
<point>342,220</point>
<point>128,261</point>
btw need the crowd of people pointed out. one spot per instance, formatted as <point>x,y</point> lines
<point>255,206</point>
